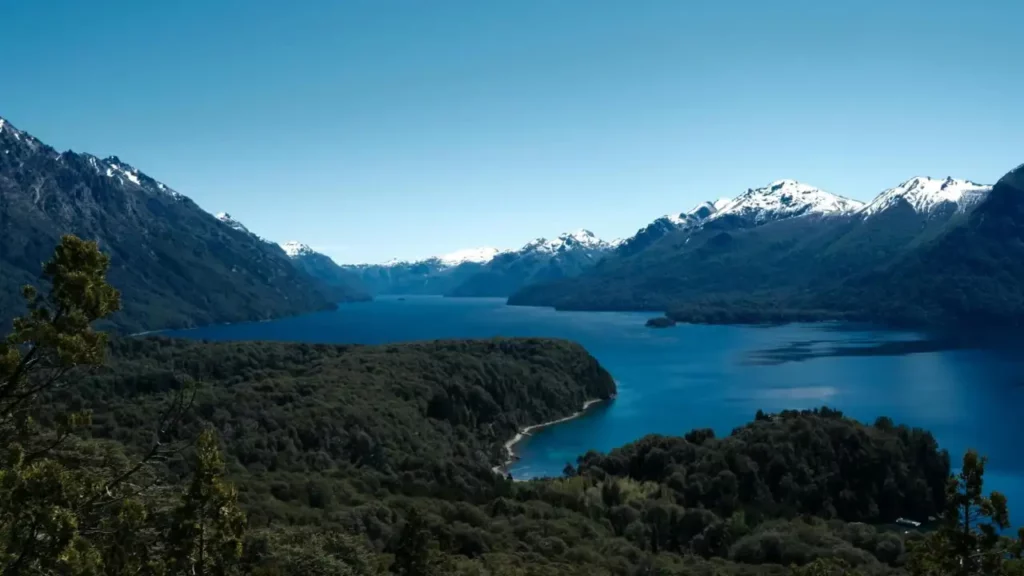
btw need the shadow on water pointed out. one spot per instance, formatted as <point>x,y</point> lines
<point>909,343</point>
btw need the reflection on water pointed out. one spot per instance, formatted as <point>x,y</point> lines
<point>965,388</point>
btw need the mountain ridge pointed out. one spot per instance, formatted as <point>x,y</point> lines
<point>728,269</point>
<point>176,264</point>
<point>566,255</point>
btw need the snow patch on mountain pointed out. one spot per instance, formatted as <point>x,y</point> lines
<point>578,240</point>
<point>227,219</point>
<point>113,167</point>
<point>116,168</point>
<point>21,138</point>
<point>475,255</point>
<point>292,248</point>
<point>925,195</point>
<point>786,199</point>
<point>481,255</point>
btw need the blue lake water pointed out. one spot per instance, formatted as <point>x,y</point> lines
<point>673,380</point>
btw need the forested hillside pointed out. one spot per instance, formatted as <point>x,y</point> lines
<point>354,439</point>
<point>952,264</point>
<point>155,456</point>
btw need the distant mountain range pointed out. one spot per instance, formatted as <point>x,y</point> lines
<point>540,260</point>
<point>925,251</point>
<point>790,251</point>
<point>343,285</point>
<point>487,271</point>
<point>175,264</point>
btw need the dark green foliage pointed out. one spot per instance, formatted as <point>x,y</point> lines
<point>69,506</point>
<point>352,440</point>
<point>815,463</point>
<point>288,410</point>
<point>206,532</point>
<point>969,540</point>
<point>176,264</point>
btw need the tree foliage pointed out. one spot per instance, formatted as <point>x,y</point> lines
<point>356,461</point>
<point>69,505</point>
<point>970,539</point>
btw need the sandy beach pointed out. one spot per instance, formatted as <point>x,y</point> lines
<point>510,454</point>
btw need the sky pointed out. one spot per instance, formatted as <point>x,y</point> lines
<point>379,129</point>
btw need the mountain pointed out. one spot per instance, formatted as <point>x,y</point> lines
<point>971,274</point>
<point>175,264</point>
<point>541,260</point>
<point>432,276</point>
<point>235,224</point>
<point>343,285</point>
<point>929,195</point>
<point>469,256</point>
<point>785,251</point>
<point>781,200</point>
<point>667,224</point>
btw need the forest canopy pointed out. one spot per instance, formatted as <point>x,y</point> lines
<point>160,456</point>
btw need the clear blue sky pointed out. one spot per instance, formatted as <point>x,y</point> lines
<point>373,129</point>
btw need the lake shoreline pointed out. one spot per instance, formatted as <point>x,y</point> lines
<point>509,447</point>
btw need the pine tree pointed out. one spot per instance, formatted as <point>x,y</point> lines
<point>67,506</point>
<point>206,537</point>
<point>44,506</point>
<point>968,542</point>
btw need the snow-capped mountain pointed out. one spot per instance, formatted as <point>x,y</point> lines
<point>785,199</point>
<point>344,284</point>
<point>566,255</point>
<point>667,224</point>
<point>452,259</point>
<point>698,214</point>
<point>927,195</point>
<point>579,240</point>
<point>473,255</point>
<point>111,167</point>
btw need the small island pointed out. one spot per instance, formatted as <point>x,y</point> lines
<point>661,322</point>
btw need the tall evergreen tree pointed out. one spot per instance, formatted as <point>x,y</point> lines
<point>969,540</point>
<point>44,506</point>
<point>206,537</point>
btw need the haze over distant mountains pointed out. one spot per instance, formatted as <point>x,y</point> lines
<point>487,271</point>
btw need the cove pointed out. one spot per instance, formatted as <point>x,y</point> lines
<point>676,379</point>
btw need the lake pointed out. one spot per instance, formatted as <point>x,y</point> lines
<point>676,379</point>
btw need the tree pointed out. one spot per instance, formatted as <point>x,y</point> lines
<point>54,338</point>
<point>414,553</point>
<point>67,505</point>
<point>206,537</point>
<point>968,542</point>
<point>44,506</point>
